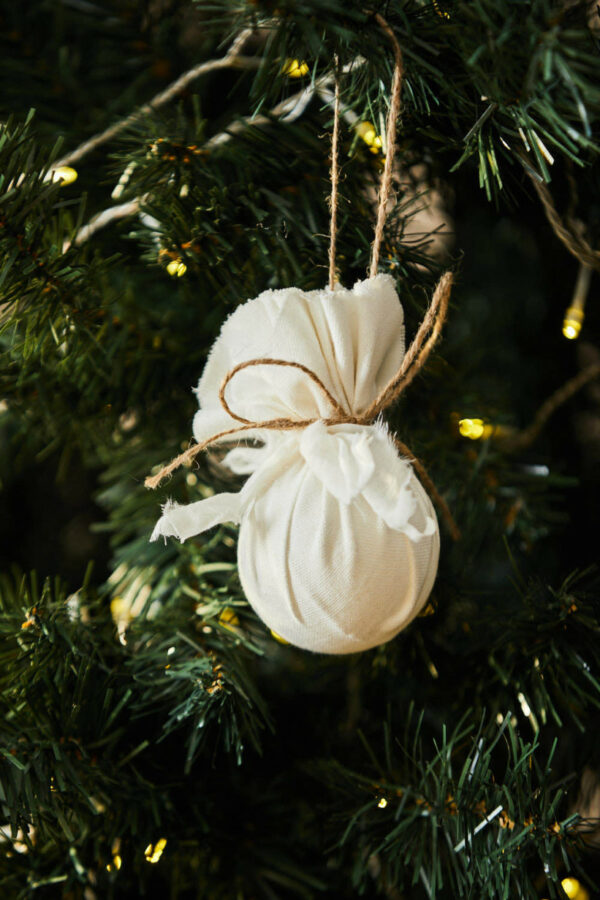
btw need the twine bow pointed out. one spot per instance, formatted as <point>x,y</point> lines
<point>412,363</point>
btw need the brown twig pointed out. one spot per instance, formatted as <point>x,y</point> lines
<point>233,57</point>
<point>575,243</point>
<point>525,438</point>
<point>282,110</point>
<point>102,219</point>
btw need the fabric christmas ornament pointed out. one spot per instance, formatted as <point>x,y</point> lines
<point>338,545</point>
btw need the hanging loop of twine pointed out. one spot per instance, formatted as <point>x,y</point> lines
<point>386,178</point>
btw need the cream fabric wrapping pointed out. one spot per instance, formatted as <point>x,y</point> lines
<point>339,543</point>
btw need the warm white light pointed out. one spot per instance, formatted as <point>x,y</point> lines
<point>474,429</point>
<point>154,852</point>
<point>63,174</point>
<point>177,268</point>
<point>368,132</point>
<point>293,68</point>
<point>574,889</point>
<point>573,320</point>
<point>228,618</point>
<point>571,329</point>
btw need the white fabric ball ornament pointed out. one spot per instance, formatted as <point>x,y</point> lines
<point>339,543</point>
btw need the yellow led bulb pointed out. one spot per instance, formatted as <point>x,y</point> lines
<point>475,429</point>
<point>176,268</point>
<point>574,889</point>
<point>575,314</point>
<point>368,133</point>
<point>572,323</point>
<point>228,618</point>
<point>154,853</point>
<point>63,175</point>
<point>293,68</point>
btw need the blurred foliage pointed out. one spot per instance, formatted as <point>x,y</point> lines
<point>141,699</point>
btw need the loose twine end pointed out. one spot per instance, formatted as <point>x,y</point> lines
<point>431,489</point>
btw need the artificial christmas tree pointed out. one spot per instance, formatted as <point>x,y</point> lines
<point>157,739</point>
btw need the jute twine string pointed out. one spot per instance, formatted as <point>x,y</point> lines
<point>413,360</point>
<point>431,489</point>
<point>422,345</point>
<point>340,413</point>
<point>335,174</point>
<point>390,127</point>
